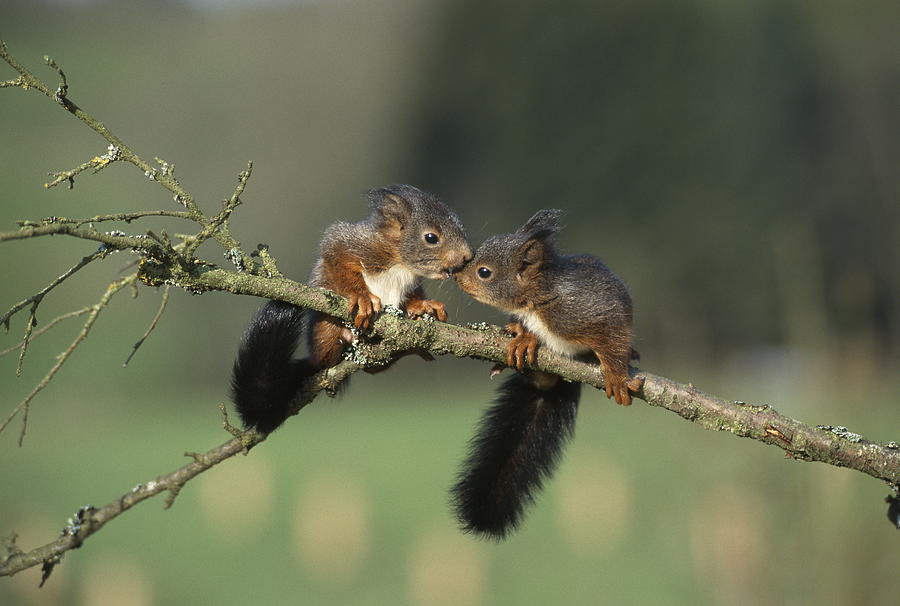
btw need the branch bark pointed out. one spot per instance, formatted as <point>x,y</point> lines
<point>396,334</point>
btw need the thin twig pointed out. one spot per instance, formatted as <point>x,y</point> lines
<point>153,323</point>
<point>48,326</point>
<point>27,80</point>
<point>97,163</point>
<point>91,519</point>
<point>115,240</point>
<point>126,217</point>
<point>217,227</point>
<point>35,301</point>
<point>23,406</point>
<point>38,296</point>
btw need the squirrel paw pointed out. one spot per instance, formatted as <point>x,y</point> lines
<point>366,307</point>
<point>617,383</point>
<point>616,388</point>
<point>621,387</point>
<point>523,346</point>
<point>420,307</point>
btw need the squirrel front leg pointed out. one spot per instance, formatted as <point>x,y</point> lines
<point>523,346</point>
<point>344,275</point>
<point>614,355</point>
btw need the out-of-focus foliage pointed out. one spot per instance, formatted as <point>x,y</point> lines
<point>738,161</point>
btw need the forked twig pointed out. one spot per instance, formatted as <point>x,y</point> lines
<point>23,406</point>
<point>35,301</point>
<point>48,326</point>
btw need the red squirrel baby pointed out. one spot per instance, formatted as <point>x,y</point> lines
<point>573,305</point>
<point>381,260</point>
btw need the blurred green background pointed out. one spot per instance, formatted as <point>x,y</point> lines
<point>735,162</point>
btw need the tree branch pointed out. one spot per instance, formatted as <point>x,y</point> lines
<point>89,520</point>
<point>395,334</point>
<point>763,423</point>
<point>28,80</point>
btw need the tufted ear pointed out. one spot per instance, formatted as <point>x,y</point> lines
<point>392,208</point>
<point>543,223</point>
<point>530,258</point>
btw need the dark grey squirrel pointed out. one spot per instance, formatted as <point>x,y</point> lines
<point>575,306</point>
<point>378,261</point>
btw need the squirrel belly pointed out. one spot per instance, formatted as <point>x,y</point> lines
<point>547,337</point>
<point>515,449</point>
<point>393,285</point>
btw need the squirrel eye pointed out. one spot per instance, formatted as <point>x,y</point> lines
<point>484,273</point>
<point>431,238</point>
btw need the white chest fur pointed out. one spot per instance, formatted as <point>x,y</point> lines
<point>534,324</point>
<point>391,286</point>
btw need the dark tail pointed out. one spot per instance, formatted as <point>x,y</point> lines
<point>266,377</point>
<point>517,446</point>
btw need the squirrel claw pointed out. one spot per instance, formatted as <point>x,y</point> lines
<point>366,307</point>
<point>635,384</point>
<point>420,307</point>
<point>523,347</point>
<point>621,389</point>
<point>615,388</point>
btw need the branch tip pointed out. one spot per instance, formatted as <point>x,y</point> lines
<point>234,431</point>
<point>174,489</point>
<point>153,323</point>
<point>10,546</point>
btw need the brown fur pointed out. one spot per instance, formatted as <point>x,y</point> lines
<point>391,236</point>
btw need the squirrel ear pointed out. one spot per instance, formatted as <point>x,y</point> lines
<point>392,207</point>
<point>543,223</point>
<point>531,257</point>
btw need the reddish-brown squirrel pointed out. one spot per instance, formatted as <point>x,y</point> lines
<point>574,305</point>
<point>378,261</point>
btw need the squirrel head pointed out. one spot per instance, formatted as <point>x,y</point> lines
<point>428,236</point>
<point>507,269</point>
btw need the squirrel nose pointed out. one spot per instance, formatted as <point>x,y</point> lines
<point>463,258</point>
<point>456,261</point>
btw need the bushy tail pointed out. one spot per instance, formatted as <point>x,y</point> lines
<point>517,446</point>
<point>266,377</point>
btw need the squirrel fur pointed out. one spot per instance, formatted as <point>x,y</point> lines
<point>573,305</point>
<point>378,261</point>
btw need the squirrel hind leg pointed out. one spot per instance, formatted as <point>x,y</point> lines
<point>327,341</point>
<point>515,449</point>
